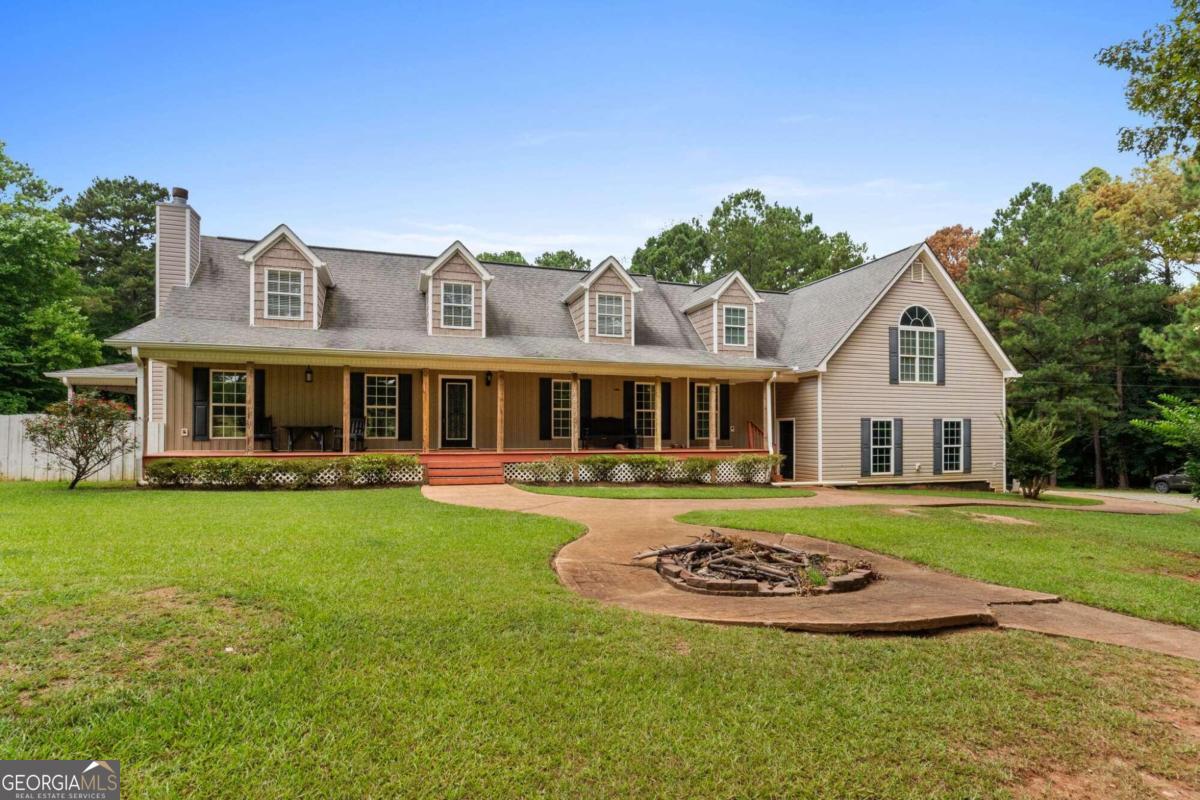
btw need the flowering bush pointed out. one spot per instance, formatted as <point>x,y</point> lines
<point>82,435</point>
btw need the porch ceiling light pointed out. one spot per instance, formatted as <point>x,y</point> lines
<point>308,374</point>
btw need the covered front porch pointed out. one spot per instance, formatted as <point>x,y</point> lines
<point>215,408</point>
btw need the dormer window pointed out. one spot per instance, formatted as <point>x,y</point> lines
<point>458,305</point>
<point>735,326</point>
<point>918,346</point>
<point>610,315</point>
<point>285,294</point>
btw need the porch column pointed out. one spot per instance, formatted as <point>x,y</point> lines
<point>658,413</point>
<point>346,410</point>
<point>768,415</point>
<point>500,412</point>
<point>714,414</point>
<point>574,413</point>
<point>250,407</point>
<point>424,411</point>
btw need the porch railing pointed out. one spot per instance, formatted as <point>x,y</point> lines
<point>755,438</point>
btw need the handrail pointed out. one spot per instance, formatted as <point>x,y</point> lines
<point>755,438</point>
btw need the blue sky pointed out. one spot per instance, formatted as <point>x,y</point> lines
<point>587,126</point>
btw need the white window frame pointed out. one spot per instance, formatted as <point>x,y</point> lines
<point>917,332</point>
<point>640,411</point>
<point>600,315</point>
<point>706,413</point>
<point>267,293</point>
<point>470,304</point>
<point>745,326</point>
<point>556,410</point>
<point>212,404</point>
<point>958,448</point>
<point>916,273</point>
<point>368,405</point>
<point>890,447</point>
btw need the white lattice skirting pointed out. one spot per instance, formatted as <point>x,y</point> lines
<point>330,476</point>
<point>535,471</point>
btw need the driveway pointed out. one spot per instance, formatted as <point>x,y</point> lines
<point>1148,496</point>
<point>600,565</point>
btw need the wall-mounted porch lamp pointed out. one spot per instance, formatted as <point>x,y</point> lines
<point>487,378</point>
<point>308,374</point>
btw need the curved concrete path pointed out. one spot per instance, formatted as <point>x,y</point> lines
<point>599,565</point>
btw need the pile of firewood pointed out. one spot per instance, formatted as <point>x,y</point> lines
<point>739,565</point>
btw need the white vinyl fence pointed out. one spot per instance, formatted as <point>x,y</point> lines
<point>19,462</point>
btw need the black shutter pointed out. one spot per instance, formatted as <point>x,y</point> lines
<point>864,446</point>
<point>357,410</point>
<point>544,401</point>
<point>630,425</point>
<point>941,358</point>
<point>724,411</point>
<point>260,401</point>
<point>666,409</point>
<point>937,447</point>
<point>691,411</point>
<point>199,404</point>
<point>404,391</point>
<point>966,446</point>
<point>585,406</point>
<point>893,355</point>
<point>897,446</point>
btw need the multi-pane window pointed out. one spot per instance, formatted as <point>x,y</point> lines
<point>285,293</point>
<point>952,445</point>
<point>380,406</point>
<point>918,348</point>
<point>610,315</point>
<point>703,405</point>
<point>735,325</point>
<point>458,305</point>
<point>227,404</point>
<point>643,409</point>
<point>881,447</point>
<point>560,409</point>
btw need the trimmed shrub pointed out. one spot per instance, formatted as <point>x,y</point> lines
<point>694,469</point>
<point>276,473</point>
<point>648,469</point>
<point>749,466</point>
<point>601,466</point>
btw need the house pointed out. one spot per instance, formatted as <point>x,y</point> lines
<point>881,374</point>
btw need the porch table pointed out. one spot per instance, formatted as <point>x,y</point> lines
<point>319,433</point>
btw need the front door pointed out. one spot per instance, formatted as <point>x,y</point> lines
<point>458,406</point>
<point>787,448</point>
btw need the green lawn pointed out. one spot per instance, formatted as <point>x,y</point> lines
<point>1148,566</point>
<point>375,644</point>
<point>1044,499</point>
<point>669,492</point>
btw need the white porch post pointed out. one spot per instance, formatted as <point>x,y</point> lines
<point>657,414</point>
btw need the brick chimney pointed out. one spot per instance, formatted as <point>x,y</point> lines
<point>177,249</point>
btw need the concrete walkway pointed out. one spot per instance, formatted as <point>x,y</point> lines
<point>599,565</point>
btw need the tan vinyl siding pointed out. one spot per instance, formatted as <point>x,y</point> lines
<point>735,295</point>
<point>609,283</point>
<point>798,401</point>
<point>171,244</point>
<point>194,245</point>
<point>701,319</point>
<point>282,256</point>
<point>576,308</point>
<point>521,415</point>
<point>456,270</point>
<point>856,385</point>
<point>322,290</point>
<point>484,396</point>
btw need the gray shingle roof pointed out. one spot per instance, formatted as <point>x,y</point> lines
<point>375,307</point>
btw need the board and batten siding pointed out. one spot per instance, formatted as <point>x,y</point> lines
<point>857,385</point>
<point>609,283</point>
<point>798,401</point>
<point>456,270</point>
<point>735,295</point>
<point>282,256</point>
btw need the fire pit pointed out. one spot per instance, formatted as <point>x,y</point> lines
<point>742,567</point>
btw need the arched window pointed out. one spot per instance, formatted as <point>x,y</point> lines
<point>918,346</point>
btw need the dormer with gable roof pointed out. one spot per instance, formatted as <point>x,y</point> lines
<point>724,314</point>
<point>455,286</point>
<point>603,304</point>
<point>288,283</point>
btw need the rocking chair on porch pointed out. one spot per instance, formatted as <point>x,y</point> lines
<point>358,440</point>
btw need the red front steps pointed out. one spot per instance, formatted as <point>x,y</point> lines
<point>462,471</point>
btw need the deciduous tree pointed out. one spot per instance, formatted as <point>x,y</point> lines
<point>82,435</point>
<point>952,245</point>
<point>680,253</point>
<point>503,257</point>
<point>563,258</point>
